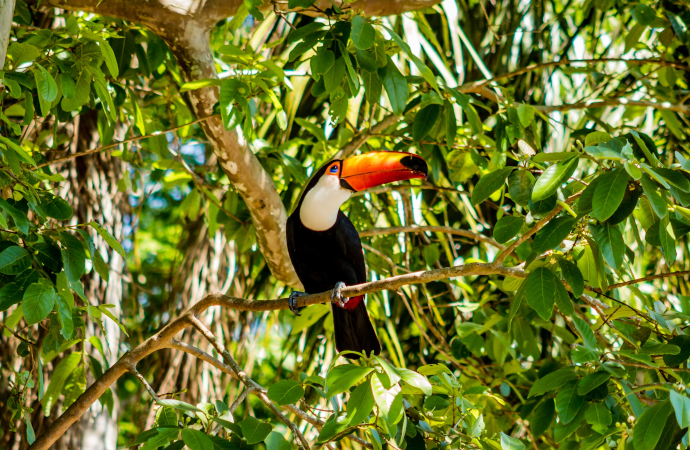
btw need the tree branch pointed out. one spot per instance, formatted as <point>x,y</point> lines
<point>679,108</point>
<point>439,229</point>
<point>115,144</point>
<point>538,226</point>
<point>680,273</point>
<point>248,382</point>
<point>6,14</point>
<point>359,140</point>
<point>165,337</point>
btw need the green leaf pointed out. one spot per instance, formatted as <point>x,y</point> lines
<point>333,427</point>
<point>612,245</point>
<point>552,381</point>
<point>159,437</point>
<point>109,58</point>
<point>65,317</point>
<point>525,114</point>
<point>389,401</point>
<point>511,443</point>
<point>592,381</point>
<point>20,219</point>
<point>675,178</point>
<point>57,381</point>
<point>649,426</point>
<point>178,404</point>
<point>681,405</point>
<point>643,14</point>
<point>47,87</point>
<point>396,88</point>
<point>507,228</point>
<point>360,404</point>
<point>343,377</point>
<point>39,300</point>
<point>520,184</point>
<point>109,238</point>
<point>14,260</point>
<point>552,178</point>
<point>22,53</point>
<point>464,102</point>
<point>276,441</point>
<point>540,291</point>
<point>573,276</point>
<point>415,380</point>
<point>672,123</point>
<point>586,332</point>
<point>56,207</point>
<point>489,183</point>
<point>12,293</point>
<point>322,61</point>
<point>73,257</point>
<point>682,342</point>
<point>63,288</point>
<point>363,34</point>
<point>599,416</point>
<point>596,137</point>
<point>568,402</point>
<point>425,121</point>
<point>542,417</point>
<point>30,433</point>
<point>609,193</point>
<point>524,337</point>
<point>658,204</point>
<point>82,90</point>
<point>372,86</point>
<point>196,440</point>
<point>563,299</point>
<point>334,77</point>
<point>553,234</point>
<point>286,392</point>
<point>254,431</point>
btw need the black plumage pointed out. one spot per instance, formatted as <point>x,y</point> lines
<point>322,259</point>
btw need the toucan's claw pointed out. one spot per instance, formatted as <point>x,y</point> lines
<point>337,295</point>
<point>292,302</point>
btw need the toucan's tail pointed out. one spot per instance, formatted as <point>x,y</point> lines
<point>354,331</point>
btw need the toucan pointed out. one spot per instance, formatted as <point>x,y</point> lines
<point>325,248</point>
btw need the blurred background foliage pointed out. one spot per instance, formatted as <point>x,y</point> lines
<point>100,147</point>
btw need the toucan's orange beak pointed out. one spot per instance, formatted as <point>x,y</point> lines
<point>377,168</point>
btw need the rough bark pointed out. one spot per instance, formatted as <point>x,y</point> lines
<point>6,13</point>
<point>185,27</point>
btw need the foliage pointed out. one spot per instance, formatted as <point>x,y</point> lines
<point>556,136</point>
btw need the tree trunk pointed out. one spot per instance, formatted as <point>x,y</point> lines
<point>6,14</point>
<point>185,27</point>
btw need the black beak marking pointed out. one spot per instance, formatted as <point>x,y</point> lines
<point>345,185</point>
<point>416,164</point>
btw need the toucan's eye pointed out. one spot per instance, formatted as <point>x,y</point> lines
<point>334,169</point>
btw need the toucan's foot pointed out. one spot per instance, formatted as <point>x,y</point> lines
<point>292,302</point>
<point>337,295</point>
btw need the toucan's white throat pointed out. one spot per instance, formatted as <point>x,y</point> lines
<point>321,204</point>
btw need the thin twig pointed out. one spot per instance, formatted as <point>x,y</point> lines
<point>115,144</point>
<point>433,229</point>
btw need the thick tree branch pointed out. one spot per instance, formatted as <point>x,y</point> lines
<point>6,13</point>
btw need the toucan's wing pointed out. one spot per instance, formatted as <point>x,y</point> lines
<point>351,246</point>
